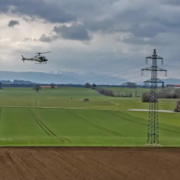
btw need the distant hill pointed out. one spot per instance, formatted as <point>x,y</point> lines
<point>9,77</point>
<point>63,78</point>
<point>171,81</point>
<point>166,81</point>
<point>22,82</point>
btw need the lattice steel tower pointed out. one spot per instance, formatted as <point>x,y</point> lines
<point>153,126</point>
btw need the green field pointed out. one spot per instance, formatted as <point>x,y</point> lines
<point>60,117</point>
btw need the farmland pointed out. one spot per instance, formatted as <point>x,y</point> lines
<point>89,163</point>
<point>60,117</point>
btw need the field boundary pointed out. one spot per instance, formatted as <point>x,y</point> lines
<point>147,110</point>
<point>114,103</point>
<point>41,107</point>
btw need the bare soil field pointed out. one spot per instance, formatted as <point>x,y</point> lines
<point>89,163</point>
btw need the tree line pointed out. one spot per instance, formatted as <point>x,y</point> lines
<point>108,92</point>
<point>163,94</point>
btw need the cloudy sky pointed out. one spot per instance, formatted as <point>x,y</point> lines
<point>90,37</point>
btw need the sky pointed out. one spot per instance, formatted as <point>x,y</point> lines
<point>104,37</point>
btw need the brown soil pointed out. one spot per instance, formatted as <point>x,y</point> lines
<point>89,163</point>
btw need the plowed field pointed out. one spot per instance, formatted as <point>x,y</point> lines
<point>89,163</point>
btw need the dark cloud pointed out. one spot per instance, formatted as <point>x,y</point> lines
<point>168,40</point>
<point>58,11</point>
<point>13,23</point>
<point>74,32</point>
<point>47,39</point>
<point>44,9</point>
<point>141,18</point>
<point>172,2</point>
<point>148,29</point>
<point>144,24</point>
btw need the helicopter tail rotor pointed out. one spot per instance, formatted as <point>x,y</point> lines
<point>23,58</point>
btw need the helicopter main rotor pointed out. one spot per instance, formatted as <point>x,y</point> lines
<point>39,53</point>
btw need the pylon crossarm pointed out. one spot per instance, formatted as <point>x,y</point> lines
<point>161,69</point>
<point>147,69</point>
<point>157,81</point>
<point>153,68</point>
<point>149,57</point>
<point>154,57</point>
<point>158,57</point>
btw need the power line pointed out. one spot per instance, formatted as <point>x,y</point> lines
<point>119,60</point>
<point>110,75</point>
<point>114,73</point>
<point>121,82</point>
<point>121,75</point>
<point>94,78</point>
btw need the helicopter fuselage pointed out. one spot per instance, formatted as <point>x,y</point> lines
<point>39,59</point>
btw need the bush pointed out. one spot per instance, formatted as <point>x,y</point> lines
<point>106,92</point>
<point>162,94</point>
<point>88,85</point>
<point>177,92</point>
<point>52,85</point>
<point>94,86</point>
<point>1,85</point>
<point>37,87</point>
<point>130,94</point>
<point>146,97</point>
<point>177,109</point>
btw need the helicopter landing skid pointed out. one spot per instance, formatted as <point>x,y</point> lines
<point>41,63</point>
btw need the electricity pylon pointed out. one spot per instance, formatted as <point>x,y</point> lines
<point>153,125</point>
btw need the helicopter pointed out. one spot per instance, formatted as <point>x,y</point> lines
<point>37,58</point>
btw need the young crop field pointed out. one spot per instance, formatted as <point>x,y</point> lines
<point>60,117</point>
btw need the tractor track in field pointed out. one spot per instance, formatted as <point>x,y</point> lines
<point>0,113</point>
<point>126,119</point>
<point>44,127</point>
<point>38,122</point>
<point>97,126</point>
